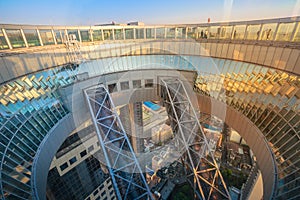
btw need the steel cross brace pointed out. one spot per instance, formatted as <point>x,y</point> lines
<point>207,180</point>
<point>126,174</point>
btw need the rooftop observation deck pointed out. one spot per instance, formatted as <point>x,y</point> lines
<point>258,58</point>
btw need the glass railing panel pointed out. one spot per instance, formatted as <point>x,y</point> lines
<point>160,33</point>
<point>171,32</point>
<point>268,31</point>
<point>15,38</point>
<point>85,36</point>
<point>297,34</point>
<point>285,31</point>
<point>108,34</point>
<point>46,36</point>
<point>192,32</point>
<point>225,32</point>
<point>202,32</point>
<point>119,34</point>
<point>97,35</point>
<point>253,32</point>
<point>180,32</point>
<point>3,43</point>
<point>59,36</point>
<point>150,33</point>
<point>214,32</point>
<point>129,34</point>
<point>73,34</point>
<point>239,32</point>
<point>139,33</point>
<point>32,37</point>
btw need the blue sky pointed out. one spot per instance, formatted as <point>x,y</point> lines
<point>89,12</point>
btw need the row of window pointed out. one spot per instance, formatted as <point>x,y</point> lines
<point>125,85</point>
<point>18,37</point>
<point>103,191</point>
<point>83,153</point>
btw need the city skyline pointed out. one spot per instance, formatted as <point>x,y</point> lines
<point>92,12</point>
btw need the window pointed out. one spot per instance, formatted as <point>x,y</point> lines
<point>63,166</point>
<point>95,192</point>
<point>148,83</point>
<point>125,85</point>
<point>112,88</point>
<point>83,153</point>
<point>91,148</point>
<point>136,83</point>
<point>72,160</point>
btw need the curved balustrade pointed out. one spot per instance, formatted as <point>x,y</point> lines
<point>271,30</point>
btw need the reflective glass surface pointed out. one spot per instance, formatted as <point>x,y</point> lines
<point>253,32</point>
<point>15,38</point>
<point>119,34</point>
<point>285,31</point>
<point>97,35</point>
<point>85,35</point>
<point>59,36</point>
<point>32,37</point>
<point>47,37</point>
<point>3,43</point>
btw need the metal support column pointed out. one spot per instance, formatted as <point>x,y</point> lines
<point>202,169</point>
<point>126,174</point>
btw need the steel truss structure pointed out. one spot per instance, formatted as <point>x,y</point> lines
<point>201,168</point>
<point>126,174</point>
